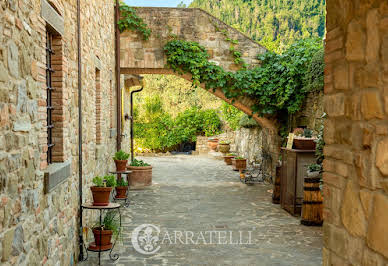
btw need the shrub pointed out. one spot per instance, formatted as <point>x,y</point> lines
<point>231,115</point>
<point>248,122</point>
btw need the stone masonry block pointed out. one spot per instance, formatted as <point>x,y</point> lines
<point>377,237</point>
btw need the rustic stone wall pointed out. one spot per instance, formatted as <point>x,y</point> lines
<point>356,133</point>
<point>36,227</point>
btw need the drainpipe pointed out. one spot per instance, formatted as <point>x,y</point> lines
<point>118,90</point>
<point>81,240</point>
<point>133,92</point>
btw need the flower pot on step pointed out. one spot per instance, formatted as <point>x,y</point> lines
<point>101,195</point>
<point>121,165</point>
<point>239,164</point>
<point>102,239</point>
<point>228,159</point>
<point>121,192</point>
<point>224,147</point>
<point>141,176</point>
<point>212,144</point>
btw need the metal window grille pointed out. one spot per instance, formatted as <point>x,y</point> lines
<point>49,72</point>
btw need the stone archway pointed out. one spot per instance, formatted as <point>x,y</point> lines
<point>147,57</point>
<point>138,56</point>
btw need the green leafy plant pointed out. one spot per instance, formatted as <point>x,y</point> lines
<point>129,20</point>
<point>110,180</point>
<point>121,183</point>
<point>121,156</point>
<point>298,131</point>
<point>276,85</point>
<point>106,181</point>
<point>111,221</point>
<point>224,142</point>
<point>239,158</point>
<point>158,131</point>
<point>136,162</point>
<point>248,122</point>
<point>232,154</point>
<point>98,181</point>
<point>314,167</point>
<point>307,133</point>
<point>231,115</point>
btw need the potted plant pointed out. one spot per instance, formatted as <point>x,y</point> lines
<point>314,170</point>
<point>103,232</point>
<point>228,158</point>
<point>239,163</point>
<point>305,141</point>
<point>212,143</point>
<point>121,188</point>
<point>121,159</point>
<point>141,174</point>
<point>224,146</point>
<point>102,189</point>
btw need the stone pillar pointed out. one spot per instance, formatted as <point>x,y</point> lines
<point>356,133</point>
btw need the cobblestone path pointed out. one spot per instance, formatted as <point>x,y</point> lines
<point>199,194</point>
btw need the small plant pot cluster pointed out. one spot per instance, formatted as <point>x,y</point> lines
<point>141,174</point>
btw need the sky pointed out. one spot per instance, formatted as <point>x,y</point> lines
<point>156,3</point>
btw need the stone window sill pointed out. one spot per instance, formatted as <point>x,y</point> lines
<point>56,174</point>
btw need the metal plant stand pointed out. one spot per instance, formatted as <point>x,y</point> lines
<point>111,206</point>
<point>126,200</point>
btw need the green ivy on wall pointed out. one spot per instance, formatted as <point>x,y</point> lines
<point>129,20</point>
<point>278,85</point>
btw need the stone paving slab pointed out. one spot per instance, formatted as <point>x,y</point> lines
<point>199,194</point>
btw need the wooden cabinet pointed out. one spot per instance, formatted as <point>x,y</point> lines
<point>293,172</point>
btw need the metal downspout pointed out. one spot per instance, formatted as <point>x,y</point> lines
<point>118,92</point>
<point>132,92</point>
<point>81,241</point>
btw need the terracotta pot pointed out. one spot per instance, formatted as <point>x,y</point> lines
<point>102,238</point>
<point>304,144</point>
<point>224,148</point>
<point>212,144</point>
<point>141,176</point>
<point>121,165</point>
<point>101,195</point>
<point>239,164</point>
<point>121,192</point>
<point>228,159</point>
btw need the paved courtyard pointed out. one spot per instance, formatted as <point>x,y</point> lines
<point>217,220</point>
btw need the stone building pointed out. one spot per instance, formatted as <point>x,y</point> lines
<point>39,182</point>
<point>39,125</point>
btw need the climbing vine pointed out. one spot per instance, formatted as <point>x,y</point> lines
<point>277,85</point>
<point>129,20</point>
<point>236,54</point>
